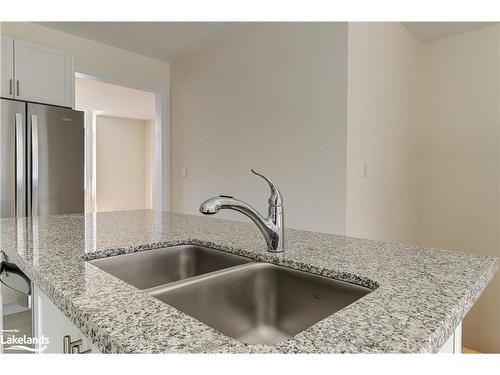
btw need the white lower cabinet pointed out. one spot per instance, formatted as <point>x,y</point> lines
<point>454,343</point>
<point>51,323</point>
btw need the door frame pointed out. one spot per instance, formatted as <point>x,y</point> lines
<point>160,127</point>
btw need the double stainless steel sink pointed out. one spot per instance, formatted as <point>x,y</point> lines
<point>255,303</point>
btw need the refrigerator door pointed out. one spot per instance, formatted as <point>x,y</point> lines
<point>12,158</point>
<point>56,154</point>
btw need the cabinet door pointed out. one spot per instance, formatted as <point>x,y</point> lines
<point>454,343</point>
<point>51,323</point>
<point>7,67</point>
<point>43,74</point>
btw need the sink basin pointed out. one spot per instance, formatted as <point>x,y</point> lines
<point>147,269</point>
<point>260,303</point>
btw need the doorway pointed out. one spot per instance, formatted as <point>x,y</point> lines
<point>121,155</point>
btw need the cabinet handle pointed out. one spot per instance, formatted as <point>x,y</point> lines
<point>76,350</point>
<point>73,347</point>
<point>17,87</point>
<point>10,86</point>
<point>66,344</point>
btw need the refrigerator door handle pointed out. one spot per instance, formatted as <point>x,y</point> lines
<point>34,165</point>
<point>20,168</point>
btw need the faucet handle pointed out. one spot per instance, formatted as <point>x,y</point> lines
<point>275,199</point>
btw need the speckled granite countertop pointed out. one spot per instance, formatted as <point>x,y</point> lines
<point>420,294</point>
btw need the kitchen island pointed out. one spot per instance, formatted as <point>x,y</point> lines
<point>420,295</point>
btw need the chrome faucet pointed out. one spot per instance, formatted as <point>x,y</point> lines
<point>271,227</point>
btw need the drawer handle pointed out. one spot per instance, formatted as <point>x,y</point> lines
<point>76,350</point>
<point>73,347</point>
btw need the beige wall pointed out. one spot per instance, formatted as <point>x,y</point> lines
<point>460,168</point>
<point>123,176</point>
<point>149,170</point>
<point>384,67</point>
<point>271,97</point>
<point>425,119</point>
<point>97,58</point>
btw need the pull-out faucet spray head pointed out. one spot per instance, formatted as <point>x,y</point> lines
<point>271,227</point>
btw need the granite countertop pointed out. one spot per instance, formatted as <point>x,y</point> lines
<point>420,294</point>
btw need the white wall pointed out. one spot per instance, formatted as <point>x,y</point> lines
<point>121,164</point>
<point>384,67</point>
<point>271,97</point>
<point>101,59</point>
<point>460,167</point>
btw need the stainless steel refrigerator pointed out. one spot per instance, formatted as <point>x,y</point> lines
<point>41,173</point>
<point>42,159</point>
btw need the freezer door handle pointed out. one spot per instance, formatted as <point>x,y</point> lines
<point>20,168</point>
<point>34,165</point>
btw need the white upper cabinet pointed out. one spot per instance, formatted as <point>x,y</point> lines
<point>43,74</point>
<point>36,73</point>
<point>7,67</point>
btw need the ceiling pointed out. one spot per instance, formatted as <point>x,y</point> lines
<point>430,31</point>
<point>113,100</point>
<point>167,41</point>
<point>160,40</point>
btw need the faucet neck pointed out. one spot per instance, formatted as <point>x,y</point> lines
<point>272,227</point>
